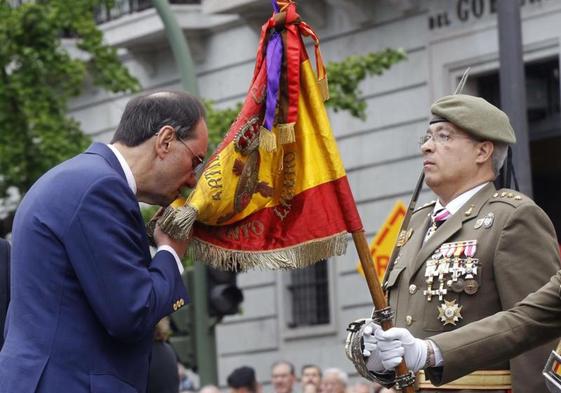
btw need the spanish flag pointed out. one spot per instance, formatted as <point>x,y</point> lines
<point>275,193</point>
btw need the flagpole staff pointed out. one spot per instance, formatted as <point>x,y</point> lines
<point>382,312</point>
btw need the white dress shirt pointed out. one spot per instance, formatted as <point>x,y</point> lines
<point>132,184</point>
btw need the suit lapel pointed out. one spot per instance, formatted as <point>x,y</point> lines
<point>453,225</point>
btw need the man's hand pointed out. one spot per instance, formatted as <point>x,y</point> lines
<point>161,238</point>
<point>370,350</point>
<point>395,344</point>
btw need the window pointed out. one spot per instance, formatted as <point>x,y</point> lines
<point>309,296</point>
<point>307,301</point>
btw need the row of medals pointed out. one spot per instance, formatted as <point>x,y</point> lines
<point>452,267</point>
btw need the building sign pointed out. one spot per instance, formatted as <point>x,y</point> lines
<point>458,12</point>
<point>383,243</point>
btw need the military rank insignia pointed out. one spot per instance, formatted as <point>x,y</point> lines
<point>452,268</point>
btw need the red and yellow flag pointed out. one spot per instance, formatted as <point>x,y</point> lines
<point>275,193</point>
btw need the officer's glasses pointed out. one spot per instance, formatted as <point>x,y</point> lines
<point>442,137</point>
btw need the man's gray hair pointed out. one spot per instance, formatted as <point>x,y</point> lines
<point>500,152</point>
<point>338,373</point>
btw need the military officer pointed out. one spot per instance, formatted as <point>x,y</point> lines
<point>480,344</point>
<point>475,250</point>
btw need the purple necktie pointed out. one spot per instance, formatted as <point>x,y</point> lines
<point>437,219</point>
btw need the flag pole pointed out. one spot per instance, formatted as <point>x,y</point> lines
<point>382,312</point>
<point>380,303</point>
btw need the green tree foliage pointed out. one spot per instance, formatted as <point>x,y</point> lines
<point>37,78</point>
<point>346,75</point>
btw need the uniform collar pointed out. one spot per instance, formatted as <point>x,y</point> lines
<point>456,204</point>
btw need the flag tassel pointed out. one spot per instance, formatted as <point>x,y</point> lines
<point>324,88</point>
<point>286,133</point>
<point>178,222</point>
<point>267,140</point>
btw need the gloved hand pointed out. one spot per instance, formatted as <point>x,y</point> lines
<point>395,344</point>
<point>370,350</point>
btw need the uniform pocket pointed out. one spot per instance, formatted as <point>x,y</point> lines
<point>107,383</point>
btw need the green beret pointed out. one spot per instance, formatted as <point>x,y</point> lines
<point>475,116</point>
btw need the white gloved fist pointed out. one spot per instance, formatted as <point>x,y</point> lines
<point>370,350</point>
<point>395,344</point>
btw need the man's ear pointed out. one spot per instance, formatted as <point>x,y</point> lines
<point>484,151</point>
<point>164,138</point>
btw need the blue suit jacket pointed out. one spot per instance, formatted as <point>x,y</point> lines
<point>4,284</point>
<point>86,293</point>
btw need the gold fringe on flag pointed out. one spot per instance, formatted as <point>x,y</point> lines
<point>286,133</point>
<point>178,221</point>
<point>324,88</point>
<point>267,140</point>
<point>299,256</point>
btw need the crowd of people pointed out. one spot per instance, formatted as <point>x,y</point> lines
<point>284,379</point>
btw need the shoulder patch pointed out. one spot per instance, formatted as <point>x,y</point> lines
<point>428,204</point>
<point>508,196</point>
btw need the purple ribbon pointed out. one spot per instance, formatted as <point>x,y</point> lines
<point>274,63</point>
<point>276,8</point>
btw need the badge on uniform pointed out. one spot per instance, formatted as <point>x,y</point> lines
<point>403,237</point>
<point>485,222</point>
<point>452,268</point>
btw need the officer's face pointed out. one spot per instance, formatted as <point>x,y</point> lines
<point>450,160</point>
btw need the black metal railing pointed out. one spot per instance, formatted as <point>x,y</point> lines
<point>127,7</point>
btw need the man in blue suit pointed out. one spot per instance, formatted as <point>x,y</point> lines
<point>4,284</point>
<point>86,294</point>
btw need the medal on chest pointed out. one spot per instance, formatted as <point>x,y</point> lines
<point>449,312</point>
<point>452,268</point>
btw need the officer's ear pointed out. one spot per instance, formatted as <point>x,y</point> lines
<point>484,151</point>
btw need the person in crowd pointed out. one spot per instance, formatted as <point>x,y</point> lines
<point>86,292</point>
<point>368,387</point>
<point>283,377</point>
<point>334,380</point>
<point>163,376</point>
<point>242,380</point>
<point>310,375</point>
<point>185,383</point>
<point>209,389</point>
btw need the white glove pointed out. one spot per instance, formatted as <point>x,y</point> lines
<point>395,344</point>
<point>370,350</point>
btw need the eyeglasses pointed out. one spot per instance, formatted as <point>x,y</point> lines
<point>442,137</point>
<point>198,161</point>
